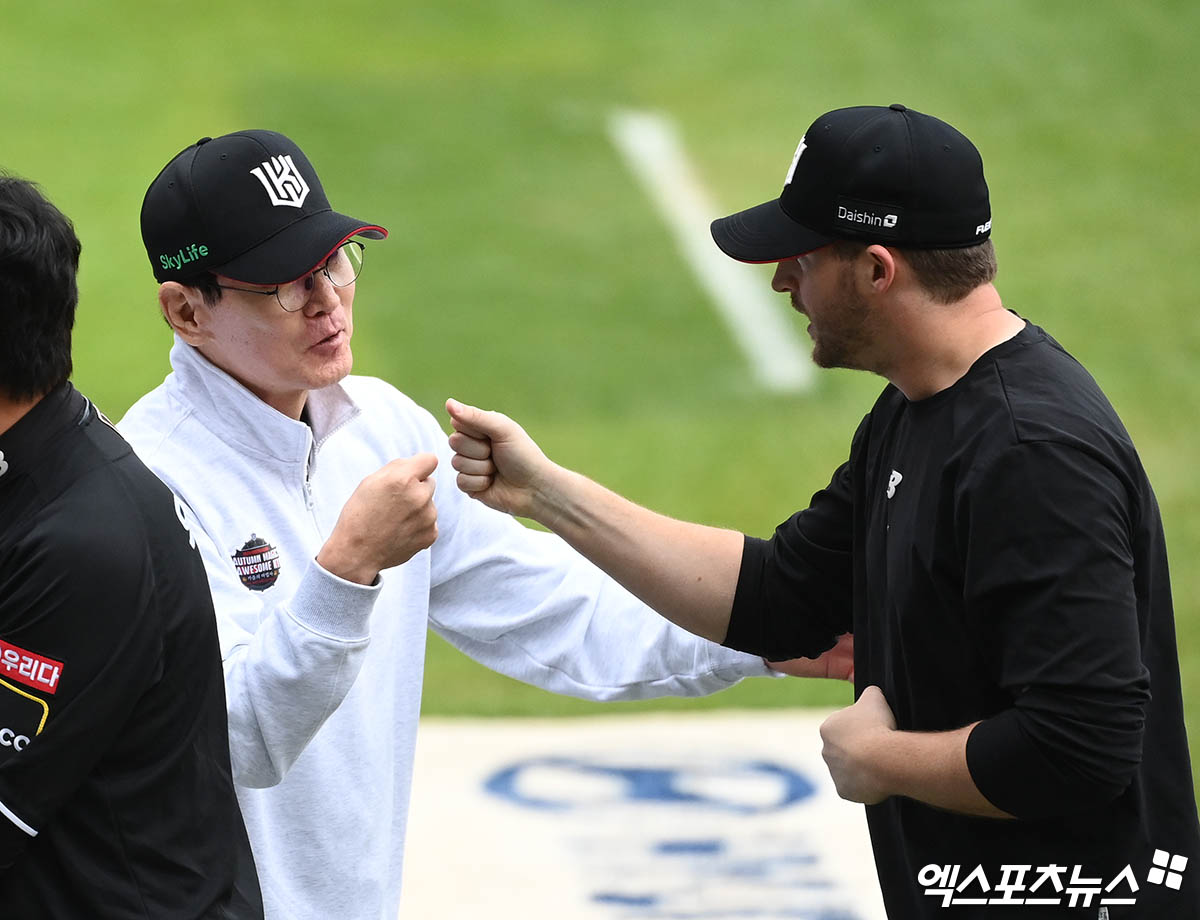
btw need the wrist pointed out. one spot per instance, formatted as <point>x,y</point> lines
<point>550,501</point>
<point>882,758</point>
<point>348,566</point>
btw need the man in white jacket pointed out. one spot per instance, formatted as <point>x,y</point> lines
<point>325,508</point>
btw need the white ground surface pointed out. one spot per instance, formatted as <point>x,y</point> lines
<point>728,816</point>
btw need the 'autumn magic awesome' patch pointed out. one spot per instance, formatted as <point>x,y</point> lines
<point>257,563</point>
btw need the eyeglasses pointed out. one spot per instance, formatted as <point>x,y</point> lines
<point>341,268</point>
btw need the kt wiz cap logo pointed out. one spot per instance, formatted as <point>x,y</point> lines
<point>282,180</point>
<point>257,563</point>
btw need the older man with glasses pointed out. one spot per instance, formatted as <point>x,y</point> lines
<point>311,495</point>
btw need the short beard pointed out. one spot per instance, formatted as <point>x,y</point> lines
<point>845,340</point>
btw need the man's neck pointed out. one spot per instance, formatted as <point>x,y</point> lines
<point>943,341</point>
<point>12,411</point>
<point>290,403</point>
<point>287,402</point>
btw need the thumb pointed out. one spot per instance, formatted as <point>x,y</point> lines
<point>423,465</point>
<point>477,423</point>
<point>872,694</point>
<point>874,702</point>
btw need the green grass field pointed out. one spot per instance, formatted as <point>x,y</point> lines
<point>527,272</point>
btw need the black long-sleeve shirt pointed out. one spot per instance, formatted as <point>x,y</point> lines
<point>998,554</point>
<point>116,798</point>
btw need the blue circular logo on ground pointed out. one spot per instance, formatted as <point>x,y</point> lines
<point>567,783</point>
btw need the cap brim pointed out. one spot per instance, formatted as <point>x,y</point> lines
<point>765,233</point>
<point>297,249</point>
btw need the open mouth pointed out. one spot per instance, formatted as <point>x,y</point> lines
<point>330,339</point>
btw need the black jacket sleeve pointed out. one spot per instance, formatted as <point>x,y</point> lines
<point>793,596</point>
<point>1046,537</point>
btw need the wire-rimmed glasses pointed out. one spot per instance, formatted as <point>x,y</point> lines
<point>342,268</point>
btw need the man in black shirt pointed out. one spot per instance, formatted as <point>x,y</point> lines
<point>992,545</point>
<point>116,799</point>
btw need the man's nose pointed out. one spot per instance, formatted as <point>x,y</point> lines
<point>784,279</point>
<point>324,296</point>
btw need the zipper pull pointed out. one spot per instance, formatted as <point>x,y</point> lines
<point>308,461</point>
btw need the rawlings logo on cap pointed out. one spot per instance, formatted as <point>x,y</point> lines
<point>282,180</point>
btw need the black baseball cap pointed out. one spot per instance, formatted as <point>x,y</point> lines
<point>880,175</point>
<point>247,205</point>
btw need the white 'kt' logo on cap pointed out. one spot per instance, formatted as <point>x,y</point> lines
<point>795,160</point>
<point>283,181</point>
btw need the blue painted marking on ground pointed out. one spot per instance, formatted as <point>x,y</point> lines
<point>750,913</point>
<point>625,900</point>
<point>670,879</point>
<point>647,784</point>
<point>690,847</point>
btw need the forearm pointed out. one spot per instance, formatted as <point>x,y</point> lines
<point>931,767</point>
<point>870,760</point>
<point>687,572</point>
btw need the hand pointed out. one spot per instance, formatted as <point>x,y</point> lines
<point>837,663</point>
<point>851,737</point>
<point>388,519</point>
<point>497,462</point>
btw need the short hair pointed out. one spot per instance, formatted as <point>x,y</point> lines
<point>206,283</point>
<point>947,275</point>
<point>39,259</point>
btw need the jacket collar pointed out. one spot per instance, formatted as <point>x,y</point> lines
<point>229,410</point>
<point>23,446</point>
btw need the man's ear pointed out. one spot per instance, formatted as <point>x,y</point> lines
<point>179,306</point>
<point>882,267</point>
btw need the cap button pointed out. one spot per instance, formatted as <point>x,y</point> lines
<point>203,140</point>
<point>897,107</point>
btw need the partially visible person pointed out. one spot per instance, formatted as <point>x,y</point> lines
<point>325,508</point>
<point>116,799</point>
<point>992,544</point>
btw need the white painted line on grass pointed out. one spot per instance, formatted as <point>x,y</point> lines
<point>651,147</point>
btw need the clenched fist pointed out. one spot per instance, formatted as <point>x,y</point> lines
<point>852,738</point>
<point>497,462</point>
<point>388,519</point>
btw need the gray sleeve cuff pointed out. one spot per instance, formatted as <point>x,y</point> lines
<point>332,606</point>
